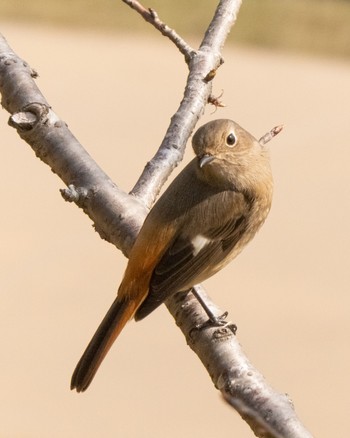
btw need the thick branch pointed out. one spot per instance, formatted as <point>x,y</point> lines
<point>117,216</point>
<point>267,412</point>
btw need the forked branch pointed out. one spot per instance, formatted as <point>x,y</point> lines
<point>203,65</point>
<point>118,216</point>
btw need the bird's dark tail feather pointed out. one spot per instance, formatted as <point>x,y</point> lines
<point>121,311</point>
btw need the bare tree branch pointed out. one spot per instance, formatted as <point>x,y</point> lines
<point>151,16</point>
<point>118,216</point>
<point>202,68</point>
<point>268,413</point>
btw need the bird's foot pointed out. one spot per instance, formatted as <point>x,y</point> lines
<point>215,321</point>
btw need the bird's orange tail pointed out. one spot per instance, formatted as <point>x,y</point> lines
<point>121,311</point>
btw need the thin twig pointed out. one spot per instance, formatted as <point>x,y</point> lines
<point>151,16</point>
<point>198,88</point>
<point>271,134</point>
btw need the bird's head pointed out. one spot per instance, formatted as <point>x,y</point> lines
<point>229,156</point>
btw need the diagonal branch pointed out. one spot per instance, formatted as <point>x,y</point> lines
<point>268,413</point>
<point>151,16</point>
<point>118,216</point>
<point>202,68</point>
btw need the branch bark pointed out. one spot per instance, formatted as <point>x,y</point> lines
<point>118,216</point>
<point>268,413</point>
<point>151,16</point>
<point>202,67</point>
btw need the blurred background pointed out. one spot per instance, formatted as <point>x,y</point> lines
<point>117,82</point>
<point>312,26</point>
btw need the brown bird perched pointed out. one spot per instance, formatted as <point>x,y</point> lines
<point>203,220</point>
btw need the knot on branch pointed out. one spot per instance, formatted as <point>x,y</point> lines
<point>210,76</point>
<point>225,332</point>
<point>29,116</point>
<point>10,58</point>
<point>74,194</point>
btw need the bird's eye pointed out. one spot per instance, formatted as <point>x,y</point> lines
<point>231,139</point>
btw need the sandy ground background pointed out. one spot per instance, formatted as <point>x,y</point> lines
<point>288,292</point>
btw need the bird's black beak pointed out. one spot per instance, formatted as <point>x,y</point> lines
<point>205,159</point>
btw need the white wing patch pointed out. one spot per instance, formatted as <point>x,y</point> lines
<point>198,243</point>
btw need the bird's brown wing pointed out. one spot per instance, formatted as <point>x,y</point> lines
<point>183,265</point>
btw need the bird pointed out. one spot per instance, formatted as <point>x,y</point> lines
<point>201,222</point>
